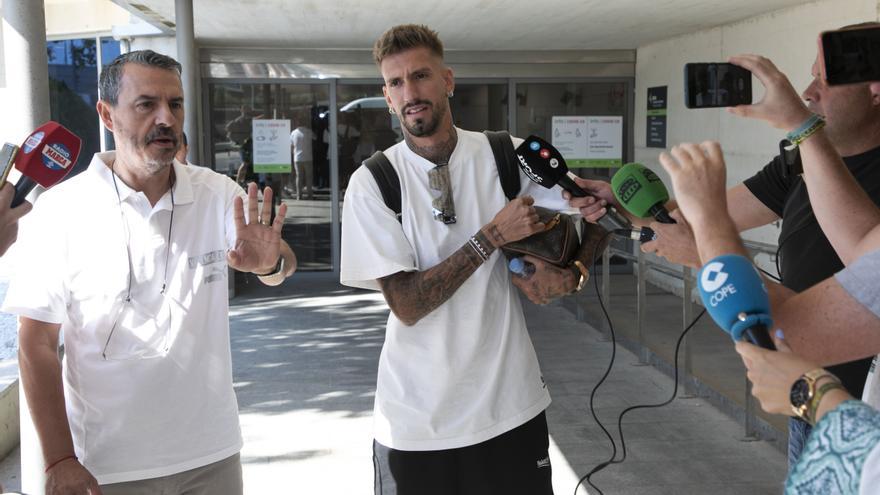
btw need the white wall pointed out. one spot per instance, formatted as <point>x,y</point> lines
<point>788,37</point>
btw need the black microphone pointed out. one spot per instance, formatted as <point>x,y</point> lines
<point>544,165</point>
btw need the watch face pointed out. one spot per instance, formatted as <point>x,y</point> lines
<point>800,393</point>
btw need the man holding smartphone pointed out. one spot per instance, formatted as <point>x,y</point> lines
<point>852,121</point>
<point>9,217</point>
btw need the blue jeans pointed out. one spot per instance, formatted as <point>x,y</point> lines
<point>798,432</point>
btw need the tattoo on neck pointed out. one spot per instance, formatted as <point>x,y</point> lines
<point>437,153</point>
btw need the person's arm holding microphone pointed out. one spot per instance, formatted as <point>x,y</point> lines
<point>674,241</point>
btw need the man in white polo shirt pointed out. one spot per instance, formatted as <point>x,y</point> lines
<point>459,398</point>
<point>129,260</point>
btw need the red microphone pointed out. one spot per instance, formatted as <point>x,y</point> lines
<point>45,158</point>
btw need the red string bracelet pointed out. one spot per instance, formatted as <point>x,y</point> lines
<point>59,461</point>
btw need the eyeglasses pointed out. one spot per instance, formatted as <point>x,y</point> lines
<point>443,206</point>
<point>140,329</point>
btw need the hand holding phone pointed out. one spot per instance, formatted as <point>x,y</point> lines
<point>851,55</point>
<point>781,106</point>
<point>713,85</point>
<point>7,161</point>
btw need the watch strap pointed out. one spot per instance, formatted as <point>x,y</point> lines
<point>817,398</point>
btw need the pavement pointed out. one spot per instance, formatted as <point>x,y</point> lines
<point>304,362</point>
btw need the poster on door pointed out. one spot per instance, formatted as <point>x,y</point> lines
<point>589,141</point>
<point>271,146</point>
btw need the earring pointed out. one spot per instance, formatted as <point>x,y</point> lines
<point>391,110</point>
<point>450,94</point>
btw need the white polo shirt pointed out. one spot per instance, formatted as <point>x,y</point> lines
<point>467,371</point>
<point>161,402</point>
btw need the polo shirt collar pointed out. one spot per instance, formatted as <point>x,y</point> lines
<point>183,192</point>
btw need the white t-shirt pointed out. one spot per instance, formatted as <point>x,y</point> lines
<point>301,140</point>
<point>467,371</point>
<point>162,401</point>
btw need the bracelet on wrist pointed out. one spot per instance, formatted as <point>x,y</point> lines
<point>807,129</point>
<point>834,384</point>
<point>480,243</point>
<point>277,268</point>
<point>59,461</point>
<point>581,275</point>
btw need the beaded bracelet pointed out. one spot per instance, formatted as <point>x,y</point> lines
<point>481,251</point>
<point>807,129</point>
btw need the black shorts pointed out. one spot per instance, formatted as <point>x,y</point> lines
<point>514,463</point>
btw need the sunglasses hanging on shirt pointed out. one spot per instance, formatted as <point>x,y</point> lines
<point>443,206</point>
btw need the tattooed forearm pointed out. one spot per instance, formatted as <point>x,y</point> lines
<point>412,295</point>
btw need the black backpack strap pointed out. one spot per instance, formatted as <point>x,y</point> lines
<point>506,161</point>
<point>387,180</point>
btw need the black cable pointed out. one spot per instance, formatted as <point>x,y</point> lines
<point>613,459</point>
<point>780,278</point>
<point>607,370</point>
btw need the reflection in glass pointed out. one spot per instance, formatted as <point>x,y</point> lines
<point>233,108</point>
<point>73,90</point>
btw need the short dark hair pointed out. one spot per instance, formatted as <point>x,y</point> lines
<point>111,75</point>
<point>183,139</point>
<point>406,37</point>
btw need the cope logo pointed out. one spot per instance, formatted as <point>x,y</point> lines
<point>56,156</point>
<point>627,189</point>
<point>713,277</point>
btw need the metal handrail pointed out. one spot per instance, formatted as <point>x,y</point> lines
<point>685,274</point>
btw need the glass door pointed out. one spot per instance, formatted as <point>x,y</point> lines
<point>305,188</point>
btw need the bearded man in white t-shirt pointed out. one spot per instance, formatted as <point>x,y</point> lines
<point>129,260</point>
<point>460,398</point>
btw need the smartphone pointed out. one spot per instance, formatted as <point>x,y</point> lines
<point>716,85</point>
<point>851,55</point>
<point>7,160</point>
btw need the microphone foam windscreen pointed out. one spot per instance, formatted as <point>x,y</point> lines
<point>730,286</point>
<point>48,154</point>
<point>638,188</point>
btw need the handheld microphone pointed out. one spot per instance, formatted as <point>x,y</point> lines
<point>45,158</point>
<point>544,165</point>
<point>640,192</point>
<point>735,296</point>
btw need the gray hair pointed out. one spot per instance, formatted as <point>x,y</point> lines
<point>111,76</point>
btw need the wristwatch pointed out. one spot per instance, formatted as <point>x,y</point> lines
<point>581,274</point>
<point>276,276</point>
<point>803,392</point>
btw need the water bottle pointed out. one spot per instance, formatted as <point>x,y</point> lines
<point>521,268</point>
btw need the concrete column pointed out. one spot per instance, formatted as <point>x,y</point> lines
<point>27,79</point>
<point>188,58</point>
<point>27,66</point>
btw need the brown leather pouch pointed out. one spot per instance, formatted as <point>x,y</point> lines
<point>557,244</point>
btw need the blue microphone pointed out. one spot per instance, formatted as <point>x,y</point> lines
<point>735,296</point>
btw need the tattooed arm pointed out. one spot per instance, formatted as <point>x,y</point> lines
<point>412,295</point>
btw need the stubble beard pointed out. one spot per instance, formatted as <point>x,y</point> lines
<point>424,127</point>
